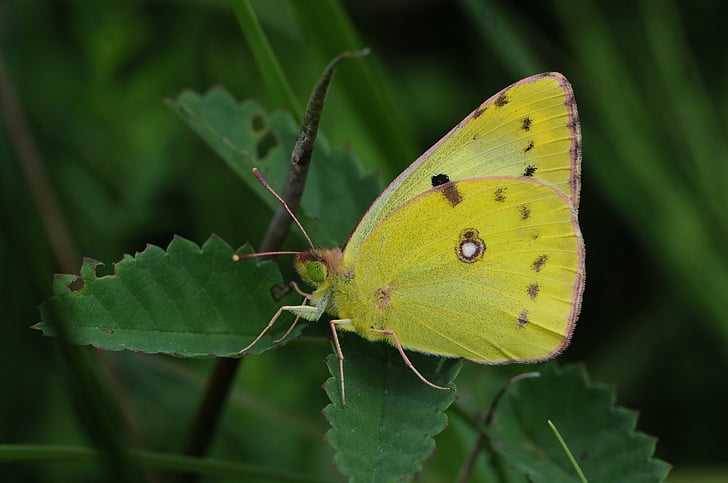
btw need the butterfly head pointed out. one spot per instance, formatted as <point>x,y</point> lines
<point>315,266</point>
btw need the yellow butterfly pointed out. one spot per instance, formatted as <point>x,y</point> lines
<point>474,251</point>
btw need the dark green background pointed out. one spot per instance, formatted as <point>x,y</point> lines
<point>650,79</point>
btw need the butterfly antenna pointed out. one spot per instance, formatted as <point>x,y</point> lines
<point>265,184</point>
<point>237,257</point>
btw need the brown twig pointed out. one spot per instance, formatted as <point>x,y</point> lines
<point>467,469</point>
<point>301,156</point>
<point>208,414</point>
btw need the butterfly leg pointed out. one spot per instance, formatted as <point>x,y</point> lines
<point>305,311</point>
<point>339,353</point>
<point>407,361</point>
<point>306,298</point>
<point>295,321</point>
<point>300,292</point>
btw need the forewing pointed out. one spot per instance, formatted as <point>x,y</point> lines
<point>488,269</point>
<point>530,129</point>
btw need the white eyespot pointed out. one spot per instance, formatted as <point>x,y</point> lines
<point>470,247</point>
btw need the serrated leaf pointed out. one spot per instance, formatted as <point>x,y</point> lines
<point>245,136</point>
<point>386,430</point>
<point>600,434</point>
<point>186,301</point>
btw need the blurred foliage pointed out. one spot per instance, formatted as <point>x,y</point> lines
<point>650,82</point>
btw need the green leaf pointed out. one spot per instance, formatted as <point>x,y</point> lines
<point>186,301</point>
<point>601,435</point>
<point>245,136</point>
<point>386,430</point>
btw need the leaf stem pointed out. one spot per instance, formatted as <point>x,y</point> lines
<point>568,452</point>
<point>467,469</point>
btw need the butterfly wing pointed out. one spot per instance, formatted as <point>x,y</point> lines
<point>530,129</point>
<point>487,269</point>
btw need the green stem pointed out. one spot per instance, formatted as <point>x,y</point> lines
<point>568,452</point>
<point>270,69</point>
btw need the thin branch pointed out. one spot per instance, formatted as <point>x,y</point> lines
<point>301,156</point>
<point>208,414</point>
<point>469,466</point>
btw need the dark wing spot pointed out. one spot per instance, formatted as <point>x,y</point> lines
<point>440,179</point>
<point>451,193</point>
<point>500,194</point>
<point>540,261</point>
<point>526,125</point>
<point>529,147</point>
<point>530,169</point>
<point>479,111</point>
<point>502,100</point>
<point>525,212</point>
<point>532,291</point>
<point>523,319</point>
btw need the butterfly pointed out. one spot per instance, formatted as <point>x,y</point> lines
<point>474,251</point>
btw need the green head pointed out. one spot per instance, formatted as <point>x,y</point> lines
<point>315,266</point>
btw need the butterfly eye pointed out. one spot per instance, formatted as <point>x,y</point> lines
<point>316,271</point>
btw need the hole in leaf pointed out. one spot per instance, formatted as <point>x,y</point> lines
<point>279,292</point>
<point>76,285</point>
<point>258,124</point>
<point>265,145</point>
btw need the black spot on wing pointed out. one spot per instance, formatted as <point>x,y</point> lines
<point>529,171</point>
<point>439,179</point>
<point>529,147</point>
<point>539,263</point>
<point>526,124</point>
